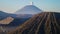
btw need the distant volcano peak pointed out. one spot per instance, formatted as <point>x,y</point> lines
<point>29,9</point>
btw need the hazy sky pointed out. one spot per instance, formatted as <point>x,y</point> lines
<point>14,5</point>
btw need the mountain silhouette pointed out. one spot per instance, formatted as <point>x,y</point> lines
<point>43,23</point>
<point>3,15</point>
<point>29,9</point>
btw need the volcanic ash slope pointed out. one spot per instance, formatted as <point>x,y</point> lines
<point>43,23</point>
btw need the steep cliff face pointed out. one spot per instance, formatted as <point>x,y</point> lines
<point>43,23</point>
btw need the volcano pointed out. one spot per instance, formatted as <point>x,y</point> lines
<point>43,23</point>
<point>29,9</point>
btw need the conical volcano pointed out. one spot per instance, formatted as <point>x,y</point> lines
<point>43,23</point>
<point>29,9</point>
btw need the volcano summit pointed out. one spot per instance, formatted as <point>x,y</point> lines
<point>29,9</point>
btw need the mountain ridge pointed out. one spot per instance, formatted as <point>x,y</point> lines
<point>44,23</point>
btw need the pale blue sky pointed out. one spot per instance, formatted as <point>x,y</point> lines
<point>12,6</point>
